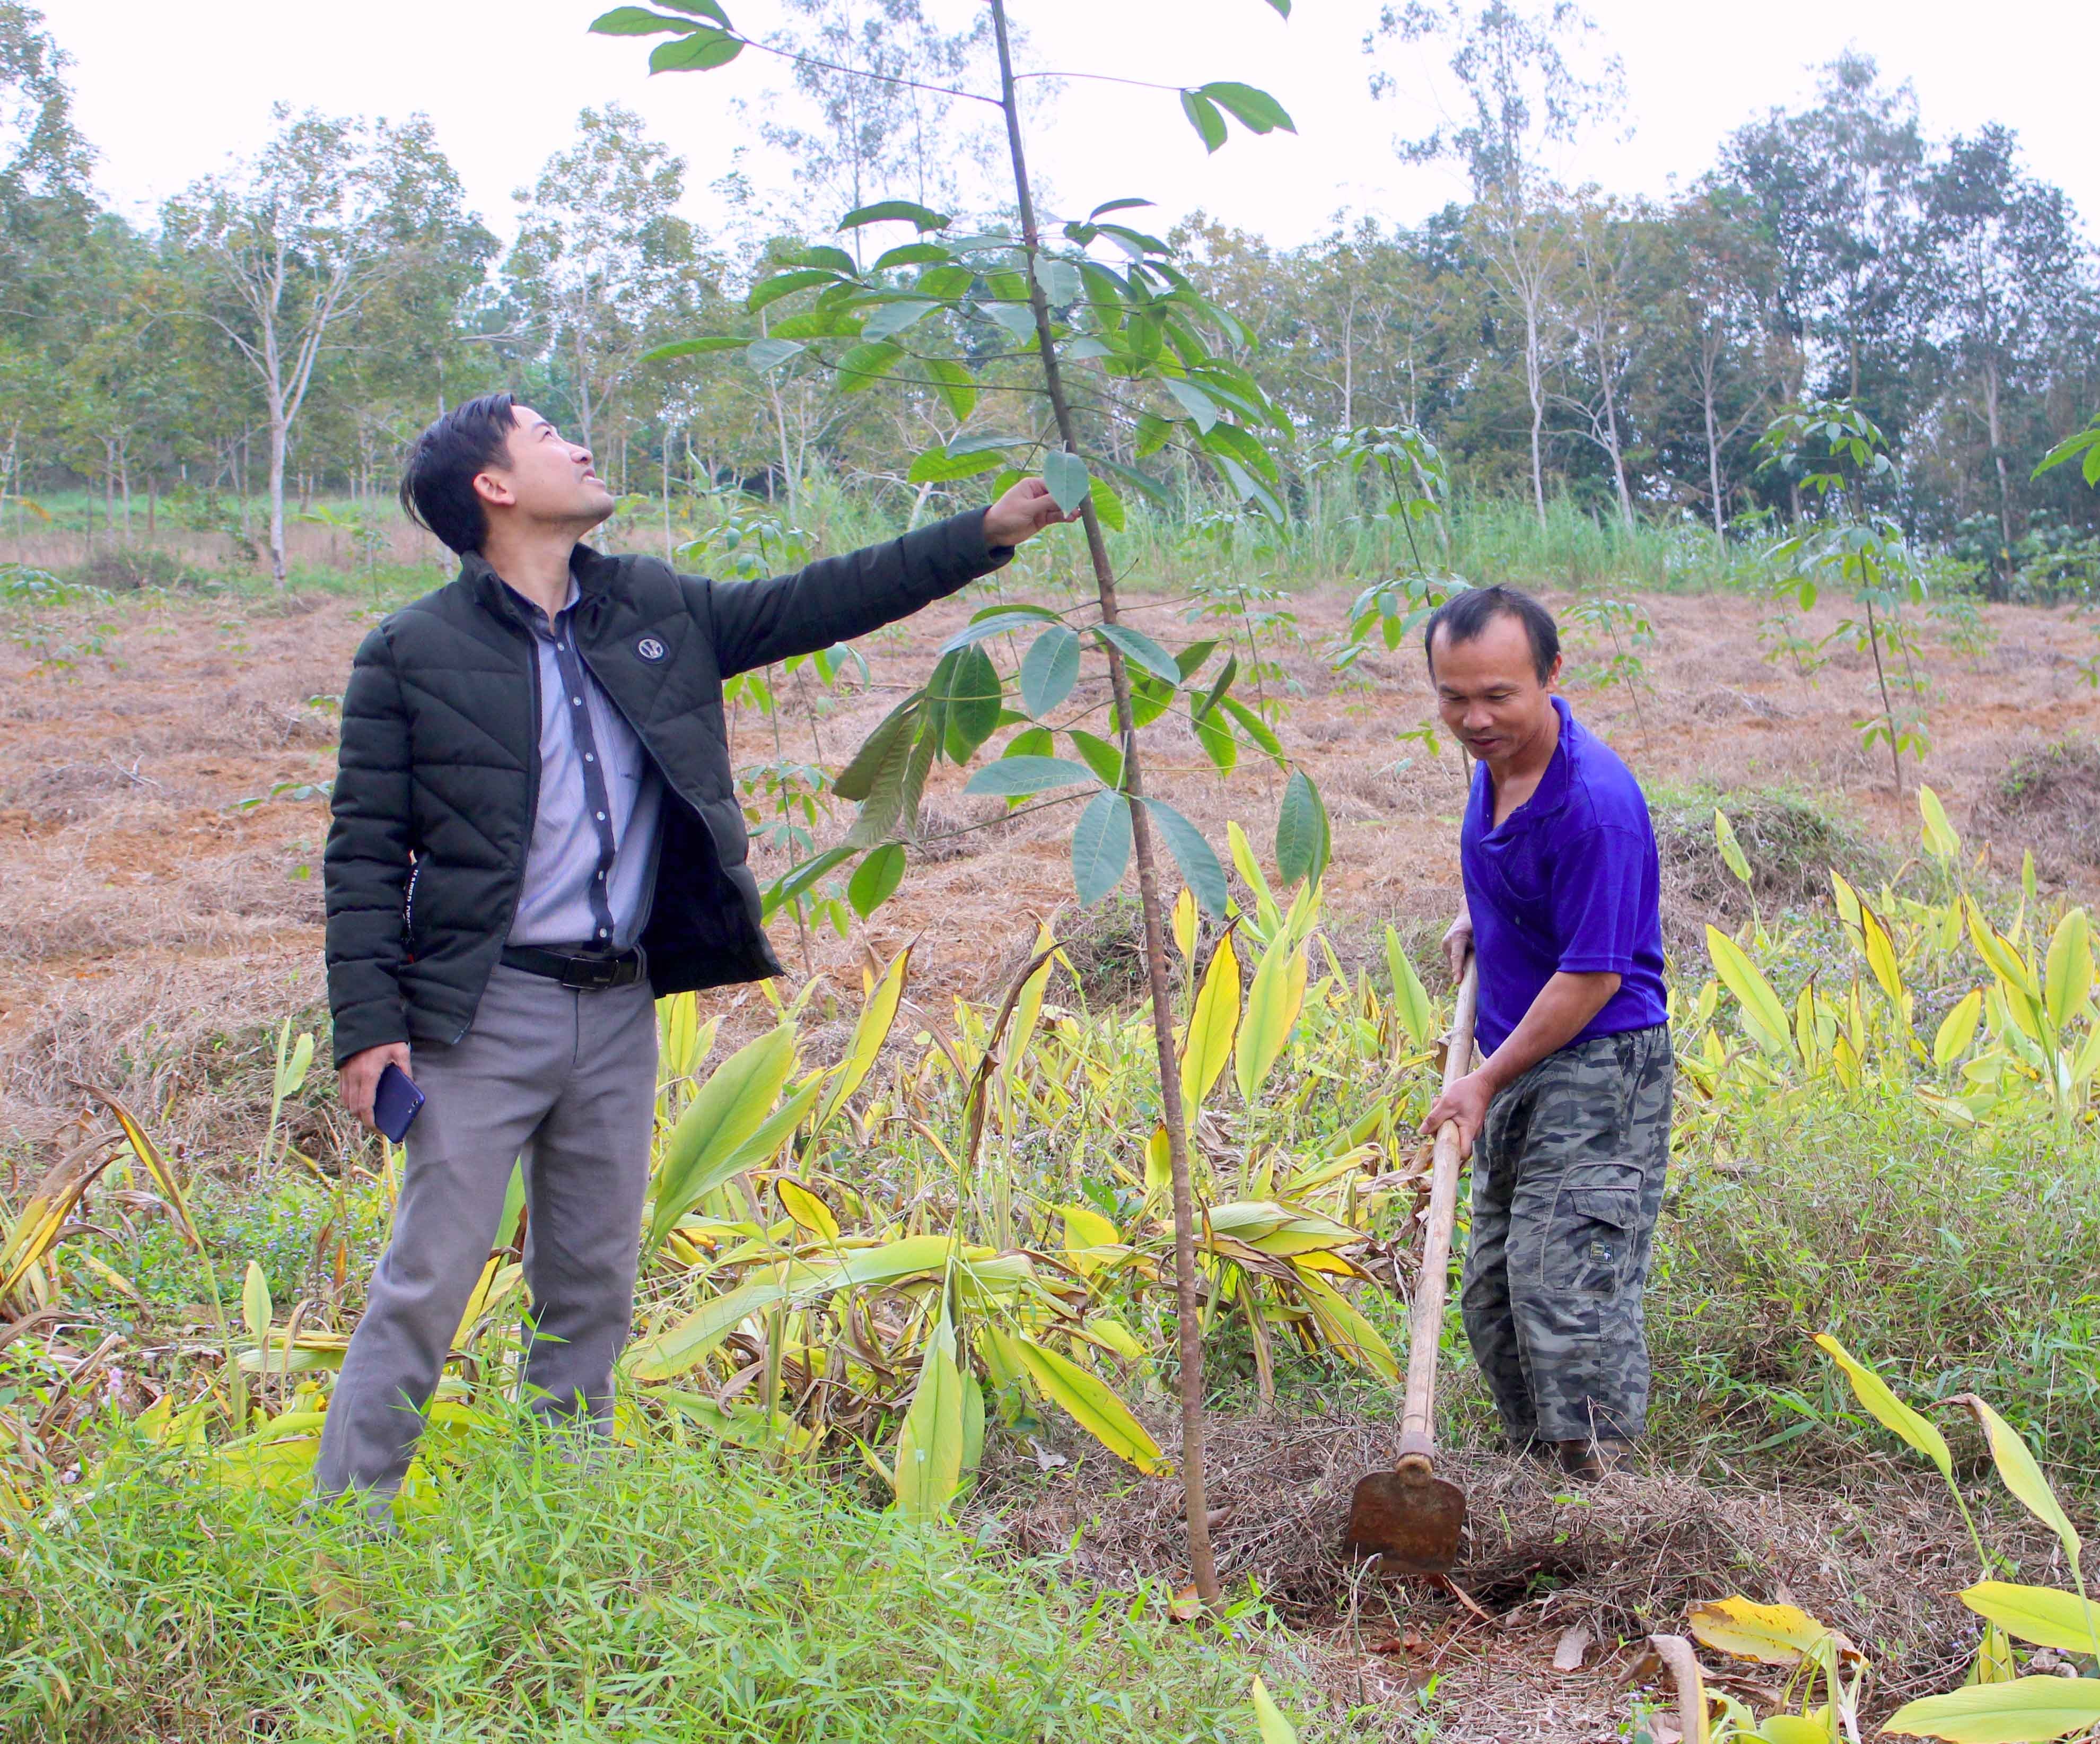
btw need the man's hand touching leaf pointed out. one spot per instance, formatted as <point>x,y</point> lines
<point>1022,513</point>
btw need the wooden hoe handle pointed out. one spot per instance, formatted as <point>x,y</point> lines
<point>1417,1432</point>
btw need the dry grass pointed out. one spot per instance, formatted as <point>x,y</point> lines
<point>2048,799</point>
<point>1879,1552</point>
<point>148,919</point>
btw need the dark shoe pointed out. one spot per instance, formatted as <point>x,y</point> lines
<point>1589,1460</point>
<point>1531,1447</point>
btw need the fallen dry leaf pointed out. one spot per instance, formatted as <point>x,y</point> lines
<point>1574,1643</point>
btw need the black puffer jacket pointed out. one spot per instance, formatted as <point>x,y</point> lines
<point>438,774</point>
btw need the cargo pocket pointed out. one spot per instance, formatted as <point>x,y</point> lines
<point>1595,1238</point>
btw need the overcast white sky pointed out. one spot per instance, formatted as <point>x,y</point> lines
<point>168,91</point>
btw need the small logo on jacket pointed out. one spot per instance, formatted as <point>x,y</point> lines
<point>650,649</point>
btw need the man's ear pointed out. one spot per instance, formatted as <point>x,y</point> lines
<point>1552,673</point>
<point>494,489</point>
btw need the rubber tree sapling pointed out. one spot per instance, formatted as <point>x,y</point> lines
<point>1125,328</point>
<point>1850,545</point>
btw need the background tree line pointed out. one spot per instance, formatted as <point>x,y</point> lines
<point>285,326</point>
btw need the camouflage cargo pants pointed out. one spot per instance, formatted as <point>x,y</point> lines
<point>1567,1184</point>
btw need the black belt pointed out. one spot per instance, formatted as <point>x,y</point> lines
<point>587,972</point>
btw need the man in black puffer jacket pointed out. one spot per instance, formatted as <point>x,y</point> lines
<point>537,834</point>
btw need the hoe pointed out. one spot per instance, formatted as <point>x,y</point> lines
<point>1409,1518</point>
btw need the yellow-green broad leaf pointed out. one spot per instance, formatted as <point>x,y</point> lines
<point>2046,1616</point>
<point>1185,926</point>
<point>686,1344</point>
<point>1994,1663</point>
<point>1085,1227</point>
<point>1941,841</point>
<point>2027,1711</point>
<point>869,1034</point>
<point>686,1042</point>
<point>255,1306</point>
<point>1027,1010</point>
<point>1957,1029</point>
<point>1877,945</point>
<point>2069,979</point>
<point>1770,1634</point>
<point>1092,1404</point>
<point>1273,1003</point>
<point>2021,1475</point>
<point>2086,1066</point>
<point>929,1448</point>
<point>1762,1014</point>
<point>1793,1728</point>
<point>1212,1027</point>
<point>875,1268</point>
<point>1275,1729</point>
<point>1887,1409</point>
<point>728,1110</point>
<point>1345,1329</point>
<point>1732,850</point>
<point>1410,999</point>
<point>811,1213</point>
<point>1267,914</point>
<point>1277,1228</point>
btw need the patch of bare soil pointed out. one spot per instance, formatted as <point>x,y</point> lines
<point>1549,1568</point>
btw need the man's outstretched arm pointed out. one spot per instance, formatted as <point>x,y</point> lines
<point>837,598</point>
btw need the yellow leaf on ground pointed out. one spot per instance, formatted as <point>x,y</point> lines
<point>1770,1634</point>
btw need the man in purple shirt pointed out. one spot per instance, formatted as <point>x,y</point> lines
<point>1567,1115</point>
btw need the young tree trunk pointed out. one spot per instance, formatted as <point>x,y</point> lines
<point>277,446</point>
<point>1994,429</point>
<point>1196,1506</point>
<point>1534,383</point>
<point>1707,362</point>
<point>1611,435</point>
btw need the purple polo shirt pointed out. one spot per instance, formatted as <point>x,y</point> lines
<point>1569,880</point>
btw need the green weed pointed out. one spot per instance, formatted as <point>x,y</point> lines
<point>667,1592</point>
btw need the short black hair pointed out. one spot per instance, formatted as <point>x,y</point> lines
<point>437,488</point>
<point>1463,616</point>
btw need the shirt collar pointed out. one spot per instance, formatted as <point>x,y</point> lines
<point>537,618</point>
<point>1551,792</point>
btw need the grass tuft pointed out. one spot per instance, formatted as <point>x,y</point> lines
<point>666,1593</point>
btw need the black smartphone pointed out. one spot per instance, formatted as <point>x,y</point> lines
<point>395,1103</point>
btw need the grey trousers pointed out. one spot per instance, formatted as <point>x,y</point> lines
<point>565,1082</point>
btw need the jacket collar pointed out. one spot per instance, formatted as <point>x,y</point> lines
<point>593,571</point>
